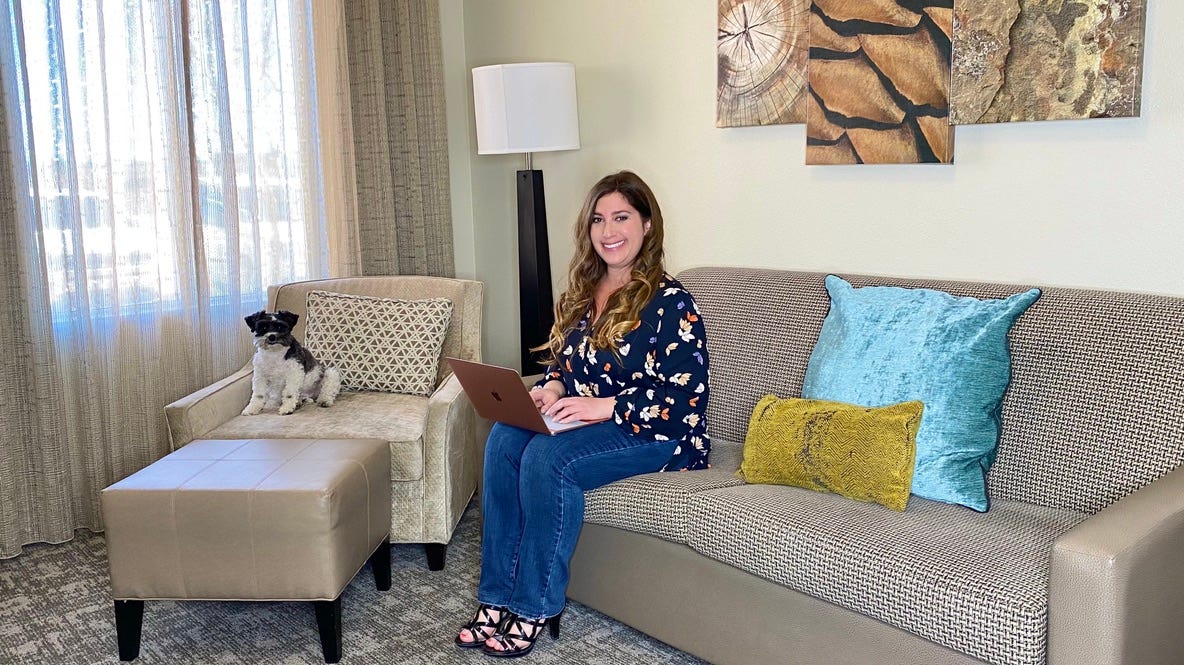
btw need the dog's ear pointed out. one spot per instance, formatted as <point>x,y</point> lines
<point>287,317</point>
<point>251,319</point>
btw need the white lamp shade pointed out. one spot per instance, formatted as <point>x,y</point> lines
<point>527,107</point>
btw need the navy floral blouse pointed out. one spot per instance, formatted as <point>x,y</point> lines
<point>659,378</point>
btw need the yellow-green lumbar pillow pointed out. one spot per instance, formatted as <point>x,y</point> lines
<point>866,454</point>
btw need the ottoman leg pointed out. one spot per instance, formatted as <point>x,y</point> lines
<point>381,562</point>
<point>436,552</point>
<point>329,624</point>
<point>129,617</point>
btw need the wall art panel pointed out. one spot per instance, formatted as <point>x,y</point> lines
<point>879,82</point>
<point>761,49</point>
<point>1017,60</point>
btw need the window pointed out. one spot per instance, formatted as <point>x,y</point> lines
<point>171,149</point>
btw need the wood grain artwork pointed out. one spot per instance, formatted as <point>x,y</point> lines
<point>879,82</point>
<point>1019,60</point>
<point>761,51</point>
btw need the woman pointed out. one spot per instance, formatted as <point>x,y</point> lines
<point>628,349</point>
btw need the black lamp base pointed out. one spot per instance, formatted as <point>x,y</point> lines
<point>535,302</point>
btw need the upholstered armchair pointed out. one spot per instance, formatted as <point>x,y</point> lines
<point>435,453</point>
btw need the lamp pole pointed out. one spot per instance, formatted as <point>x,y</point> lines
<point>535,300</point>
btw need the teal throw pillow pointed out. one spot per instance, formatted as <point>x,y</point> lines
<point>883,345</point>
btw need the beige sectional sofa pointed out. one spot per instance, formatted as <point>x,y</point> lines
<point>1080,559</point>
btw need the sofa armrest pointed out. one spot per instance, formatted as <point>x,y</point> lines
<point>1116,587</point>
<point>451,458</point>
<point>192,416</point>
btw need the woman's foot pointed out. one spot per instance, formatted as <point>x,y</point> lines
<point>483,626</point>
<point>517,636</point>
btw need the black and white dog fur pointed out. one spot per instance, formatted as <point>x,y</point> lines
<point>284,369</point>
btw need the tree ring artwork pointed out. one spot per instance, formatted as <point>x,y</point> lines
<point>761,48</point>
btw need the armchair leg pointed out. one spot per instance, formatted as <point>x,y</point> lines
<point>380,561</point>
<point>329,624</point>
<point>129,618</point>
<point>436,552</point>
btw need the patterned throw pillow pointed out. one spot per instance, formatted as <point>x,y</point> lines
<point>885,344</point>
<point>860,453</point>
<point>378,344</point>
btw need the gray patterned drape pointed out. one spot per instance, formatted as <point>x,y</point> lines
<point>400,137</point>
<point>27,467</point>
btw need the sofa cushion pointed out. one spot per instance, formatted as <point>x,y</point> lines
<point>378,343</point>
<point>399,419</point>
<point>881,345</point>
<point>861,453</point>
<point>658,503</point>
<point>974,582</point>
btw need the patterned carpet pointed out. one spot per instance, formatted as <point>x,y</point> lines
<point>55,608</point>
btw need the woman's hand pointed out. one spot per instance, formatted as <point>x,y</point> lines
<point>571,409</point>
<point>546,395</point>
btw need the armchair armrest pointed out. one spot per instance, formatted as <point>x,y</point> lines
<point>192,416</point>
<point>452,458</point>
<point>1116,587</point>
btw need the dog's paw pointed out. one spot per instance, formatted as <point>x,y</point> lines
<point>253,409</point>
<point>287,409</point>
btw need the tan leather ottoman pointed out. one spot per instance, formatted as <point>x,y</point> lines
<point>254,519</point>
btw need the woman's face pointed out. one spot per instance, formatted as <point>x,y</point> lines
<point>617,231</point>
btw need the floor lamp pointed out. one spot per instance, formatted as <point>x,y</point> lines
<point>528,108</point>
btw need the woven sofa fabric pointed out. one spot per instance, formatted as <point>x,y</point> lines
<point>378,343</point>
<point>976,583</point>
<point>1095,409</point>
<point>761,328</point>
<point>658,504</point>
<point>399,419</point>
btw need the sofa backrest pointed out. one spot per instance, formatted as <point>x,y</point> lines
<point>463,339</point>
<point>1095,409</point>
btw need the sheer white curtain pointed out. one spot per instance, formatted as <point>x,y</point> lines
<point>164,169</point>
<point>336,132</point>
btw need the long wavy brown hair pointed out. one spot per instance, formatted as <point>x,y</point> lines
<point>622,311</point>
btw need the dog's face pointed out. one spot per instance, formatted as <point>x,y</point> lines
<point>272,327</point>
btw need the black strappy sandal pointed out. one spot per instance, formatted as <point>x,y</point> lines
<point>518,635</point>
<point>481,620</point>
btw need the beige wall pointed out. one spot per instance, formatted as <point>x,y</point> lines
<point>458,96</point>
<point>1082,203</point>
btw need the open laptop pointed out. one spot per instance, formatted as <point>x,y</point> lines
<point>499,394</point>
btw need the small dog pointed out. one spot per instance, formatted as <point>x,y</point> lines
<point>284,368</point>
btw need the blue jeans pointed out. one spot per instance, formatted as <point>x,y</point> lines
<point>533,506</point>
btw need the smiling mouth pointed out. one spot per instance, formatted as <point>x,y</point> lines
<point>612,245</point>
